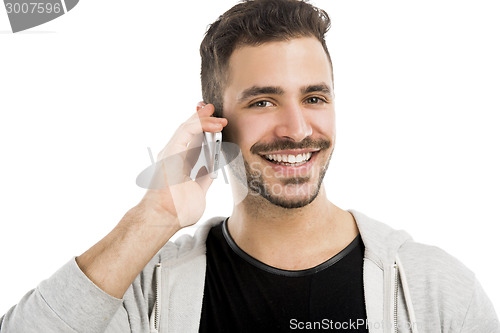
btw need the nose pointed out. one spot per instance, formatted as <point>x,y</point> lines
<point>293,123</point>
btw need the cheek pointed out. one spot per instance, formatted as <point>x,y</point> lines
<point>235,131</point>
<point>245,130</point>
<point>325,123</point>
<point>231,131</point>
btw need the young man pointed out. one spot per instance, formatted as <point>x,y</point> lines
<point>286,258</point>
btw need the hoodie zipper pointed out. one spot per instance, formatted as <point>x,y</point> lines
<point>395,270</point>
<point>158,300</point>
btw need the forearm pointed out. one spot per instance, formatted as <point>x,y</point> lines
<point>57,305</point>
<point>115,261</point>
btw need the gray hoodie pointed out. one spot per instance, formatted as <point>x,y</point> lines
<point>409,287</point>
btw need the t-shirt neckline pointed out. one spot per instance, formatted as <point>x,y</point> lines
<point>284,272</point>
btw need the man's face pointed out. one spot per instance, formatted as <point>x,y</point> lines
<point>279,106</point>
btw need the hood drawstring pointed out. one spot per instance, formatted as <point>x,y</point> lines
<point>407,296</point>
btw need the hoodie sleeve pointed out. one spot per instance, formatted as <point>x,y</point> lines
<point>66,302</point>
<point>481,316</point>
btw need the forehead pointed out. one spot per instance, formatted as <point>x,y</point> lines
<point>288,64</point>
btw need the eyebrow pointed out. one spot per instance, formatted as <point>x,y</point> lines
<point>256,91</point>
<point>322,87</point>
<point>270,90</point>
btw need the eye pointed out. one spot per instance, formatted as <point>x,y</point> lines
<point>315,100</point>
<point>261,104</point>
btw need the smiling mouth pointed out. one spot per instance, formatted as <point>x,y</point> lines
<point>289,159</point>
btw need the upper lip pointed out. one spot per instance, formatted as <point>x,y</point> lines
<point>291,152</point>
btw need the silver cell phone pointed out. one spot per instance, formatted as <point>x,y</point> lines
<point>212,148</point>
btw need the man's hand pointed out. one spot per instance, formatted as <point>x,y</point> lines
<point>180,196</point>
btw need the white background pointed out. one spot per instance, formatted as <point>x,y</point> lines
<point>83,96</point>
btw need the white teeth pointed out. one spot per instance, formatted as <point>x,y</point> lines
<point>290,158</point>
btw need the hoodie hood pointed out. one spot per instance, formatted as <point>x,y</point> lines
<point>387,296</point>
<point>381,241</point>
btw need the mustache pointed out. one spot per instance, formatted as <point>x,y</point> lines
<point>307,143</point>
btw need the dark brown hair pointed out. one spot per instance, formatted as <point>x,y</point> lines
<point>254,22</point>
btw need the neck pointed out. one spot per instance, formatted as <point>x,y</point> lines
<point>293,239</point>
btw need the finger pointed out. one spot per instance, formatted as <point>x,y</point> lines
<point>203,110</point>
<point>192,153</point>
<point>178,145</point>
<point>194,150</point>
<point>190,134</point>
<point>195,145</point>
<point>203,179</point>
<point>196,115</point>
<point>187,131</point>
<point>200,105</point>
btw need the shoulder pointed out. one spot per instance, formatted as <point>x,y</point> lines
<point>182,250</point>
<point>433,263</point>
<point>438,282</point>
<point>443,290</point>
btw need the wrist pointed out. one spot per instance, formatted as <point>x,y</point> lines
<point>152,223</point>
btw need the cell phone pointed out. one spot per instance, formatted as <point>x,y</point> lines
<point>211,148</point>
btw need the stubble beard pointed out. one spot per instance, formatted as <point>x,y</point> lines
<point>257,186</point>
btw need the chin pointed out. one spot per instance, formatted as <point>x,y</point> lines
<point>291,203</point>
<point>285,196</point>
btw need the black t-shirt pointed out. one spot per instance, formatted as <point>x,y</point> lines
<point>243,294</point>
